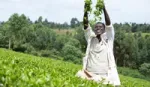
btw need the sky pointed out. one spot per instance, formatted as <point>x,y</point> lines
<point>61,11</point>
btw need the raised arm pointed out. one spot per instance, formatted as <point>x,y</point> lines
<point>85,18</point>
<point>107,19</point>
<point>109,27</point>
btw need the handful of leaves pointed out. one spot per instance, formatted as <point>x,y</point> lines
<point>88,4</point>
<point>97,12</point>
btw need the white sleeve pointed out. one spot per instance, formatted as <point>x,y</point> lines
<point>84,62</point>
<point>89,33</point>
<point>110,32</point>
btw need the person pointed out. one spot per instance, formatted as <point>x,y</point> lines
<point>99,62</point>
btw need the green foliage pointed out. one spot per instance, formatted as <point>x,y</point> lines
<point>88,4</point>
<point>74,22</point>
<point>17,24</point>
<point>74,42</point>
<point>131,50</point>
<point>99,9</point>
<point>125,49</point>
<point>4,35</point>
<point>21,70</point>
<point>130,57</point>
<point>148,48</point>
<point>79,35</point>
<point>134,27</point>
<point>119,46</point>
<point>45,53</point>
<point>43,38</point>
<point>19,33</point>
<point>52,25</point>
<point>49,53</point>
<point>60,42</point>
<point>132,73</point>
<point>97,12</point>
<point>130,82</point>
<point>145,69</point>
<point>71,51</point>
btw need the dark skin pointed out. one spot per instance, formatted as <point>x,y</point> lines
<point>99,28</point>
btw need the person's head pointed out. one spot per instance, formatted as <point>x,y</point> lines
<point>99,28</point>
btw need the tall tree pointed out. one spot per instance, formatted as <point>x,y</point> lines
<point>74,22</point>
<point>17,23</point>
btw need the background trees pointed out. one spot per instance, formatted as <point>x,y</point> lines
<point>74,22</point>
<point>19,33</point>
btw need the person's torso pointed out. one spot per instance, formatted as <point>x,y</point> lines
<point>98,56</point>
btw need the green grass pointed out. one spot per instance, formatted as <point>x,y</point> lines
<point>132,73</point>
<point>23,70</point>
<point>144,34</point>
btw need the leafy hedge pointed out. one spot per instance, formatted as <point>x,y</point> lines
<point>22,70</point>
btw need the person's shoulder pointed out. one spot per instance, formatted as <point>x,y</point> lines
<point>109,26</point>
<point>89,27</point>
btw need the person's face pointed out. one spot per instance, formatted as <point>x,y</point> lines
<point>99,29</point>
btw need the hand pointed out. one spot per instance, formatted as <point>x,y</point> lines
<point>88,75</point>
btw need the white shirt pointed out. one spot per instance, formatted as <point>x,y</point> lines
<point>97,61</point>
<point>109,37</point>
